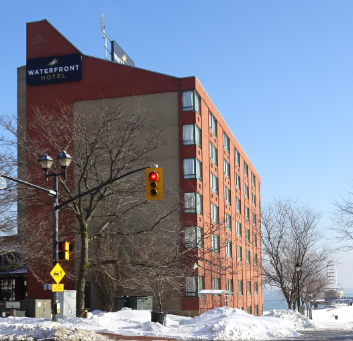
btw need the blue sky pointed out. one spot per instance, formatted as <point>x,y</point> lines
<point>279,72</point>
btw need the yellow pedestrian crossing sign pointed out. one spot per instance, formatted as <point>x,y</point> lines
<point>57,273</point>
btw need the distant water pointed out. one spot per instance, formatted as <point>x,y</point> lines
<point>273,299</point>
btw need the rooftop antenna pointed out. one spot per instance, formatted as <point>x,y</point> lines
<point>104,37</point>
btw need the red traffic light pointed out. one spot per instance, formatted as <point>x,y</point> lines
<point>153,176</point>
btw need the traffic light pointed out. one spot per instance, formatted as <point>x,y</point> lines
<point>64,250</point>
<point>154,183</point>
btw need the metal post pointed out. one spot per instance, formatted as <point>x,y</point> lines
<point>298,290</point>
<point>55,295</point>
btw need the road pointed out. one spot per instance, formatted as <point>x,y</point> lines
<point>323,335</point>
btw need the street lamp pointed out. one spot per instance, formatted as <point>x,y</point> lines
<point>46,163</point>
<point>297,269</point>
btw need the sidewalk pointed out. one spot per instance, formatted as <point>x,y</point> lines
<point>135,337</point>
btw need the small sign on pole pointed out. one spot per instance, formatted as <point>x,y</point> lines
<point>57,287</point>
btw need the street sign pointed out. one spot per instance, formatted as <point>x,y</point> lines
<point>57,273</point>
<point>3,183</point>
<point>57,287</point>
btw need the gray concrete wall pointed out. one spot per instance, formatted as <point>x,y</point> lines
<point>163,108</point>
<point>21,153</point>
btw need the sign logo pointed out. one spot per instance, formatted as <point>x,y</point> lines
<point>57,69</point>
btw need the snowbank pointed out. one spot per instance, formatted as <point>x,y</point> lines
<point>17,328</point>
<point>217,324</point>
<point>299,321</point>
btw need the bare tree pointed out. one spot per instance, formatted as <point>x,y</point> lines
<point>105,143</point>
<point>343,220</point>
<point>290,235</point>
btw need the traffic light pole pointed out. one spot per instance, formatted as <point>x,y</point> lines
<point>55,295</point>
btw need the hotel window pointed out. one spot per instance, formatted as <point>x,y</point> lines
<point>246,191</point>
<point>247,256</point>
<point>254,239</point>
<point>212,123</point>
<point>230,284</point>
<point>238,228</point>
<point>256,288</point>
<point>249,309</point>
<point>237,157</point>
<point>191,135</point>
<point>227,195</point>
<point>214,213</point>
<point>247,234</point>
<point>255,259</point>
<point>237,201</point>
<point>254,219</point>
<point>226,169</point>
<point>237,181</point>
<point>246,169</point>
<point>253,179</point>
<point>256,310</point>
<point>192,169</point>
<point>213,153</point>
<point>228,249</point>
<point>253,196</point>
<point>191,101</point>
<point>215,243</point>
<point>193,237</point>
<point>214,183</point>
<point>193,285</point>
<point>193,203</point>
<point>239,257</point>
<point>227,222</point>
<point>246,212</point>
<point>240,288</point>
<point>216,283</point>
<point>248,289</point>
<point>226,142</point>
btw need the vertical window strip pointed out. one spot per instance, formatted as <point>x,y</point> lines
<point>246,191</point>
<point>226,167</point>
<point>213,153</point>
<point>228,249</point>
<point>212,123</point>
<point>238,205</point>
<point>240,287</point>
<point>238,226</point>
<point>214,213</point>
<point>228,222</point>
<point>237,157</point>
<point>227,195</point>
<point>226,142</point>
<point>239,255</point>
<point>237,181</point>
<point>214,183</point>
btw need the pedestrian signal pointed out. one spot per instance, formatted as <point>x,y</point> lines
<point>64,250</point>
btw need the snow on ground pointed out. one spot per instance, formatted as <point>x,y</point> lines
<point>217,324</point>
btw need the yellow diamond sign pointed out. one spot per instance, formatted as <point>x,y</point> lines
<point>57,273</point>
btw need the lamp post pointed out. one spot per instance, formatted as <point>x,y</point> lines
<point>46,163</point>
<point>310,307</point>
<point>297,269</point>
